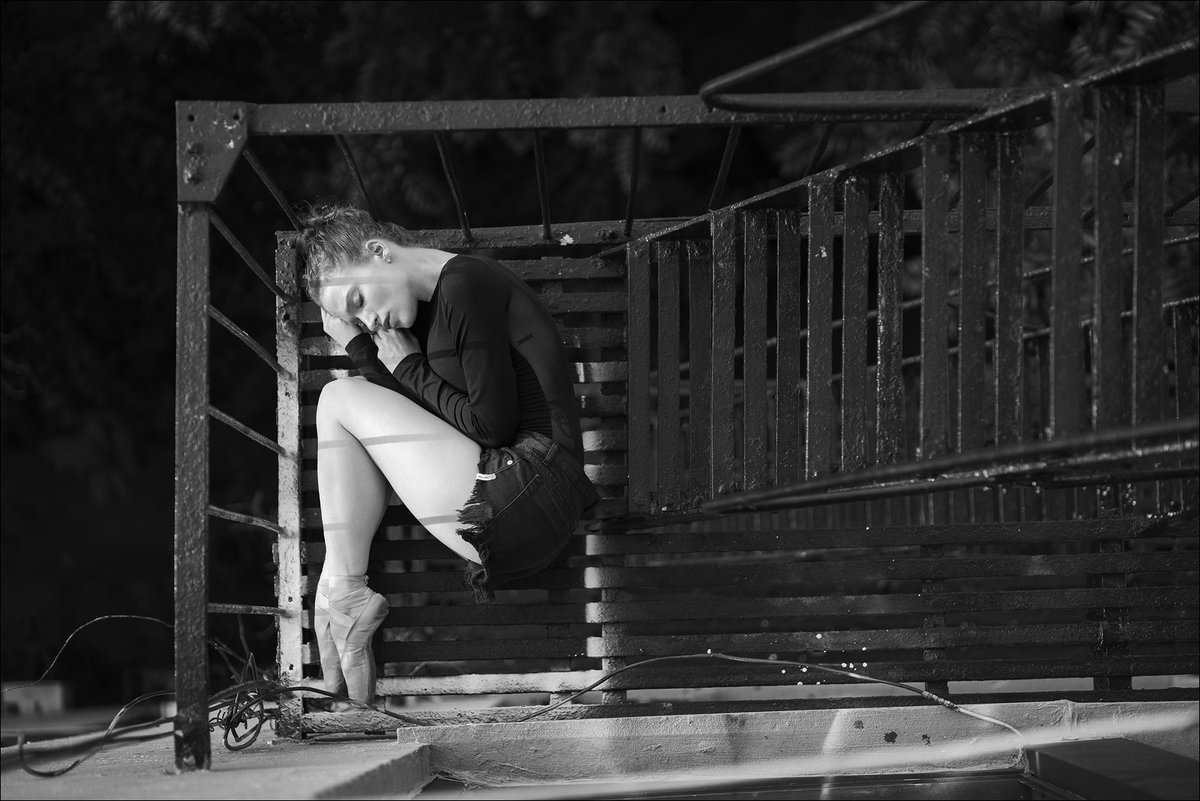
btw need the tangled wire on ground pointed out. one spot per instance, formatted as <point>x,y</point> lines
<point>244,708</point>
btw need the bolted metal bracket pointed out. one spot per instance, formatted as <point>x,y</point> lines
<point>209,137</point>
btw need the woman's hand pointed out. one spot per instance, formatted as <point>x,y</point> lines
<point>394,344</point>
<point>338,329</point>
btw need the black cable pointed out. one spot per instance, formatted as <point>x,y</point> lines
<point>54,661</point>
<point>245,702</point>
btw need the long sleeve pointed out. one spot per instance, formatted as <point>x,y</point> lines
<point>472,306</point>
<point>365,355</point>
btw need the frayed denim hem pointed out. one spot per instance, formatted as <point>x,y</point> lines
<point>473,519</point>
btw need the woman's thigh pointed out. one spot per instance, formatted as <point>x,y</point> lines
<point>429,463</point>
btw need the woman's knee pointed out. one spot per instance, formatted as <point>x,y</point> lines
<point>335,395</point>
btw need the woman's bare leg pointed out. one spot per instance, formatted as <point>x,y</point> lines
<point>367,439</point>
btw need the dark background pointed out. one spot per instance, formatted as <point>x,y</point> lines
<point>87,253</point>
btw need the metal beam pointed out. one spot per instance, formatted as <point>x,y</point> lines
<point>674,111</point>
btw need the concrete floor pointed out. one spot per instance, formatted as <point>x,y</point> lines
<point>270,768</point>
<point>537,758</point>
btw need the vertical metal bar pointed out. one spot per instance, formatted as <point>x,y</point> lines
<point>935,247</point>
<point>288,552</point>
<point>819,406</point>
<point>1110,397</point>
<point>1008,347</point>
<point>935,422</point>
<point>344,146</point>
<point>889,381</point>
<point>1066,346</point>
<point>700,360</point>
<point>731,141</point>
<point>635,169</point>
<point>724,321</point>
<point>637,276</point>
<point>754,350</point>
<point>1148,256</point>
<point>539,159</point>
<point>667,258</point>
<point>1149,262</point>
<point>192,746</point>
<point>972,311</point>
<point>788,348</point>
<point>443,150</point>
<point>854,324</point>
<point>889,376</point>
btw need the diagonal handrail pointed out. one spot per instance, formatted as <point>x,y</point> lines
<point>709,91</point>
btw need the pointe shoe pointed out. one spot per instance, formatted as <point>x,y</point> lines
<point>331,660</point>
<point>353,615</point>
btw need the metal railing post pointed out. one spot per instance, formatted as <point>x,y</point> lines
<point>192,746</point>
<point>288,546</point>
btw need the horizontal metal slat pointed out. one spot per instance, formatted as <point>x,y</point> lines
<point>905,568</point>
<point>456,650</point>
<point>890,639</point>
<point>550,268</point>
<point>712,537</point>
<point>1165,599</point>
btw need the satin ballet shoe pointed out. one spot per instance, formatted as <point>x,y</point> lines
<point>331,661</point>
<point>353,615</point>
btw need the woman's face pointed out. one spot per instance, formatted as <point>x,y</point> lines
<point>374,293</point>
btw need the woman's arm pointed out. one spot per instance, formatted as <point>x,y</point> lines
<point>475,309</point>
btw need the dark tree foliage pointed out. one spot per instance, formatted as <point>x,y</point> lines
<point>88,245</point>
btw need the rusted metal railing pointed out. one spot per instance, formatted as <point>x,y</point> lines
<point>718,416</point>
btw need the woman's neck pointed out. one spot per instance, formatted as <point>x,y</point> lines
<point>426,265</point>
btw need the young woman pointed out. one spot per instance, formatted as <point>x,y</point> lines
<point>463,405</point>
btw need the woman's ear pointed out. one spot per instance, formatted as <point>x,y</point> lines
<point>379,249</point>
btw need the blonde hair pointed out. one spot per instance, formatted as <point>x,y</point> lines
<point>335,234</point>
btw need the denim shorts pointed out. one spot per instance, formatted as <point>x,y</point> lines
<point>528,499</point>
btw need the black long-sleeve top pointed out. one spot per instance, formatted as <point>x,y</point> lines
<point>492,362</point>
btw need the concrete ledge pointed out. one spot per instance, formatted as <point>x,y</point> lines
<point>732,746</point>
<point>401,776</point>
<point>279,768</point>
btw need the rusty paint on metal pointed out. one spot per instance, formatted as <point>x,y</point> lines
<point>754,350</point>
<point>1066,344</point>
<point>1148,262</point>
<point>637,271</point>
<point>819,411</point>
<point>669,434</point>
<point>889,383</point>
<point>192,747</point>
<point>288,551</point>
<point>724,291</point>
<point>855,396</point>
<point>935,247</point>
<point>209,137</point>
<point>1008,303</point>
<point>700,362</point>
<point>1147,356</point>
<point>789,350</point>
<point>1031,454</point>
